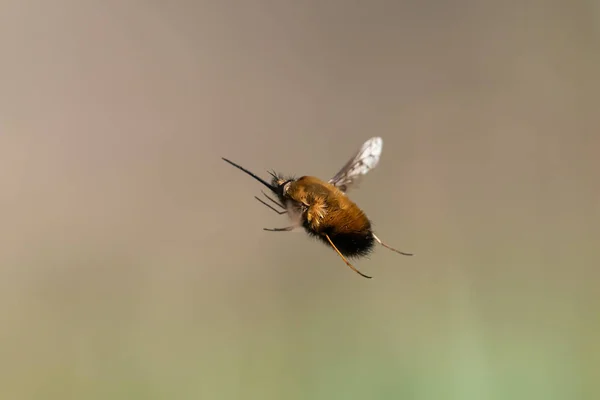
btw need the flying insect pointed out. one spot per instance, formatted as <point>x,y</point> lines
<point>323,209</point>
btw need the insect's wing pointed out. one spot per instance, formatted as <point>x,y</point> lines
<point>363,161</point>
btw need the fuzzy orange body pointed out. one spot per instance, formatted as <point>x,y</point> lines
<point>327,211</point>
<point>323,209</point>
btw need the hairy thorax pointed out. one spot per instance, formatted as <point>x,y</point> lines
<point>326,208</point>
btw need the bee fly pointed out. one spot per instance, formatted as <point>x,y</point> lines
<point>324,210</point>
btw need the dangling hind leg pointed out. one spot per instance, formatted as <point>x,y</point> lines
<point>345,260</point>
<point>391,248</point>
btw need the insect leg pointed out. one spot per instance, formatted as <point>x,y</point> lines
<point>391,248</point>
<point>273,200</point>
<point>286,229</point>
<point>345,260</point>
<point>270,206</point>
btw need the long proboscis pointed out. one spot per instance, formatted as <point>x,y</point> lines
<point>271,187</point>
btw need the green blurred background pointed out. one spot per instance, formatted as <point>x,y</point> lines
<point>132,260</point>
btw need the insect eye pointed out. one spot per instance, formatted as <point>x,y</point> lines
<point>286,187</point>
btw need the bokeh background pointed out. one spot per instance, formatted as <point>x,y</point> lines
<point>132,260</point>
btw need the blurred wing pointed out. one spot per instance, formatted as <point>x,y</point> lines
<point>363,161</point>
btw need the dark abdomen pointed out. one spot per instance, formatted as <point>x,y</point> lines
<point>351,234</point>
<point>354,244</point>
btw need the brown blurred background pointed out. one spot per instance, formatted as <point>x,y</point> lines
<point>132,260</point>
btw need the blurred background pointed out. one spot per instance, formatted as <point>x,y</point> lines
<point>133,264</point>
